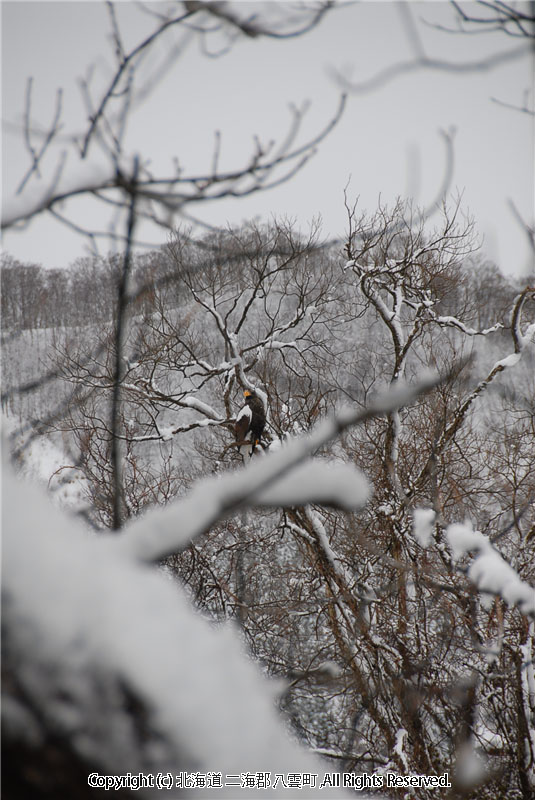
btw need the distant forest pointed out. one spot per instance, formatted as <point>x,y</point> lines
<point>34,296</point>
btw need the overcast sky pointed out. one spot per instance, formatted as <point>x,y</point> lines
<point>387,144</point>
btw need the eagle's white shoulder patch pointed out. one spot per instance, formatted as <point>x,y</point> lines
<point>245,412</point>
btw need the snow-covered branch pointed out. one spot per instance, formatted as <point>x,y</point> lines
<point>489,570</point>
<point>508,362</point>
<point>521,340</point>
<point>107,666</point>
<point>466,329</point>
<point>83,178</point>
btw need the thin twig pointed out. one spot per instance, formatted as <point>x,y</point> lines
<point>38,156</point>
<point>122,307</point>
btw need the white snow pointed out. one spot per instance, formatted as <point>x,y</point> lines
<point>78,610</point>
<point>166,433</point>
<point>492,574</point>
<point>508,361</point>
<point>529,666</point>
<point>489,571</point>
<point>225,366</point>
<point>273,344</point>
<point>323,541</point>
<point>423,521</point>
<point>85,176</point>
<point>45,462</point>
<point>343,486</point>
<point>462,539</point>
<point>470,766</point>
<point>386,508</point>
<point>277,479</point>
<point>401,735</point>
<point>488,738</point>
<point>456,323</point>
<point>529,335</point>
<point>203,408</point>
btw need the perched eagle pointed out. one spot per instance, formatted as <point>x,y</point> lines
<point>251,420</point>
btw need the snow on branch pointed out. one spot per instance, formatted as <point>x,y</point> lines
<point>522,339</point>
<point>149,390</point>
<point>166,434</point>
<point>109,663</point>
<point>321,539</point>
<point>456,323</point>
<point>274,344</point>
<point>423,523</point>
<point>274,480</point>
<point>341,485</point>
<point>84,178</point>
<point>489,571</point>
<point>203,408</point>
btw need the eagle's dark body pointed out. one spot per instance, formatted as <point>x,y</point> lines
<point>251,420</point>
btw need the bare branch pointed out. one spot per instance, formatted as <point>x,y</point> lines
<point>37,156</point>
<point>94,177</point>
<point>122,305</point>
<point>394,71</point>
<point>124,62</point>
